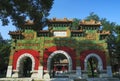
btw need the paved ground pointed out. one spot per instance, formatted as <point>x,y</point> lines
<point>60,79</point>
<point>103,79</point>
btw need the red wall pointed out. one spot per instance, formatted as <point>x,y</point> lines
<point>49,51</point>
<point>101,54</point>
<point>34,53</point>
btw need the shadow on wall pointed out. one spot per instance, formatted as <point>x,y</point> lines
<point>78,45</point>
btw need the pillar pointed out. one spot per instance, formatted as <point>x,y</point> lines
<point>34,74</point>
<point>9,71</point>
<point>109,71</point>
<point>84,74</point>
<point>15,74</point>
<point>40,72</point>
<point>78,71</point>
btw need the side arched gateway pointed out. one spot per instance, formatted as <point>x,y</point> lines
<point>98,59</point>
<point>25,64</point>
<point>22,58</point>
<point>25,61</point>
<point>93,62</point>
<point>100,56</point>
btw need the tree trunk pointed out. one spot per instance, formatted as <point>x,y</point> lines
<point>91,65</point>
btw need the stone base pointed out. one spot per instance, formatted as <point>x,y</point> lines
<point>103,75</point>
<point>9,71</point>
<point>40,72</point>
<point>80,79</point>
<point>46,76</point>
<point>84,75</point>
<point>37,73</point>
<point>78,71</point>
<point>15,74</point>
<point>109,71</point>
<point>34,74</point>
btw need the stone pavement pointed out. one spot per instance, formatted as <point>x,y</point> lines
<point>16,79</point>
<point>60,79</point>
<point>103,79</point>
<point>89,79</point>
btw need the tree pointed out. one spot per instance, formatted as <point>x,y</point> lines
<point>117,52</point>
<point>92,16</point>
<point>107,25</point>
<point>4,56</point>
<point>117,30</point>
<point>21,10</point>
<point>75,24</point>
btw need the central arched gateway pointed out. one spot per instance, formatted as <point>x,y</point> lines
<point>60,52</point>
<point>66,52</point>
<point>60,65</point>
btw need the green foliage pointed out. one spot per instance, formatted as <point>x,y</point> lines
<point>92,16</point>
<point>21,10</point>
<point>75,24</point>
<point>107,25</point>
<point>118,48</point>
<point>4,56</point>
<point>58,57</point>
<point>118,42</point>
<point>117,30</point>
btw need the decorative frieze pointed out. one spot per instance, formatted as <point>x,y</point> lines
<point>28,44</point>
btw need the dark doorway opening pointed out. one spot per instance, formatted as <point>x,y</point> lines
<point>59,66</point>
<point>25,67</point>
<point>92,67</point>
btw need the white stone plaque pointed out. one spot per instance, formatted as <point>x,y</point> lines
<point>60,33</point>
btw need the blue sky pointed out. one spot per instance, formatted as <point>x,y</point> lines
<point>78,9</point>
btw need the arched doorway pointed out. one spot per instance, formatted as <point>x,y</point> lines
<point>19,55</point>
<point>25,64</point>
<point>93,65</point>
<point>25,67</point>
<point>59,63</point>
